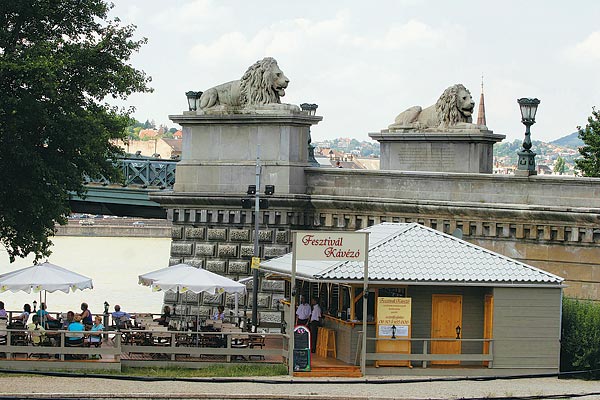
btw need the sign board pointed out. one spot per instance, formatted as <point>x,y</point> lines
<point>301,348</point>
<point>331,246</point>
<point>302,360</point>
<point>255,263</point>
<point>393,325</point>
<point>301,337</point>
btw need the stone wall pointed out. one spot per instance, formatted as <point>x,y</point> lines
<point>221,240</point>
<point>549,222</point>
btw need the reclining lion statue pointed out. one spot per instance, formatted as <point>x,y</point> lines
<point>263,83</point>
<point>454,107</point>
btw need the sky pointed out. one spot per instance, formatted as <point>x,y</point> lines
<point>364,62</point>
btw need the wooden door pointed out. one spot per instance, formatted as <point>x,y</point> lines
<point>488,318</point>
<point>446,316</point>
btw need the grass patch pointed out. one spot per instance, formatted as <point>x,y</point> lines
<point>210,371</point>
<point>215,370</point>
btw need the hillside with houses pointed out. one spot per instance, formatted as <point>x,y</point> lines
<point>557,157</point>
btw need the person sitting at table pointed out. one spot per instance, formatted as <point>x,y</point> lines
<point>120,318</point>
<point>69,320</point>
<point>43,315</point>
<point>95,335</point>
<point>3,313</point>
<point>24,316</point>
<point>165,317</point>
<point>75,339</point>
<point>86,315</point>
<point>219,315</point>
<point>36,331</point>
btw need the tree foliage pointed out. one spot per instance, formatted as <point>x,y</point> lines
<point>589,164</point>
<point>59,61</point>
<point>580,342</point>
<point>560,166</point>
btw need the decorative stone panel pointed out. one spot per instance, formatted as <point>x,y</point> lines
<point>270,316</point>
<point>181,249</point>
<point>208,298</point>
<point>227,251</point>
<point>217,266</point>
<point>176,232</point>
<point>246,251</point>
<point>174,260</point>
<point>239,235</point>
<point>170,297</point>
<point>238,267</point>
<point>282,237</point>
<point>202,311</point>
<point>190,297</point>
<point>263,300</point>
<point>274,251</point>
<point>272,286</point>
<point>265,235</point>
<point>217,234</point>
<point>230,299</point>
<point>249,285</point>
<point>194,233</point>
<point>207,250</point>
<point>180,309</point>
<point>194,262</point>
<point>275,298</point>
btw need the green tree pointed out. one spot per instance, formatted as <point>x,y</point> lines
<point>559,166</point>
<point>59,61</point>
<point>589,164</point>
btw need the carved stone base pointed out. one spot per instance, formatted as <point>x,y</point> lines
<point>451,150</point>
<point>219,151</point>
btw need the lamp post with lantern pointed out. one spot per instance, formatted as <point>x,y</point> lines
<point>526,164</point>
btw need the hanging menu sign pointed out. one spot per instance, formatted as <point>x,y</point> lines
<point>331,246</point>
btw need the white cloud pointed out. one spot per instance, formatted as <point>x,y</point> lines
<point>586,51</point>
<point>418,34</point>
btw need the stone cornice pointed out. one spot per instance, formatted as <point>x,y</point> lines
<point>247,119</point>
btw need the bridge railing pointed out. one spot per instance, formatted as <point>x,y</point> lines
<point>141,172</point>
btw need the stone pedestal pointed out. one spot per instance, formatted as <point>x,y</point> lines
<point>219,151</point>
<point>468,149</point>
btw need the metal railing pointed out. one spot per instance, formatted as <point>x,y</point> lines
<point>191,346</point>
<point>141,172</point>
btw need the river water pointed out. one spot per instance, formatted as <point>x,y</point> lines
<point>113,263</point>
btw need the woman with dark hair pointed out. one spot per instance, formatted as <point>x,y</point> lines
<point>24,316</point>
<point>165,317</point>
<point>86,315</point>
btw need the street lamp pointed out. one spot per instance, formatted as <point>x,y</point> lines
<point>526,165</point>
<point>192,99</point>
<point>254,191</point>
<point>310,109</point>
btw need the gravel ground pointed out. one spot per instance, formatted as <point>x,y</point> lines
<point>283,388</point>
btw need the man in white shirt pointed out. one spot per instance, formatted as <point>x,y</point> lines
<point>303,312</point>
<point>315,322</point>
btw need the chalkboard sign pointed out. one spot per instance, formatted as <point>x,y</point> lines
<point>301,337</point>
<point>301,359</point>
<point>301,348</point>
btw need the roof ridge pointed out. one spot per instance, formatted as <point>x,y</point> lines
<point>409,226</point>
<point>490,252</point>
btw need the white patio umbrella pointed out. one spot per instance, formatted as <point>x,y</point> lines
<point>185,278</point>
<point>181,278</point>
<point>45,276</point>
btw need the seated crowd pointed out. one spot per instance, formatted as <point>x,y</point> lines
<point>84,328</point>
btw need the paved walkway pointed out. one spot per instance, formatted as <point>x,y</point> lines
<point>283,388</point>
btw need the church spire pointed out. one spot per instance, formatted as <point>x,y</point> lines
<point>481,113</point>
